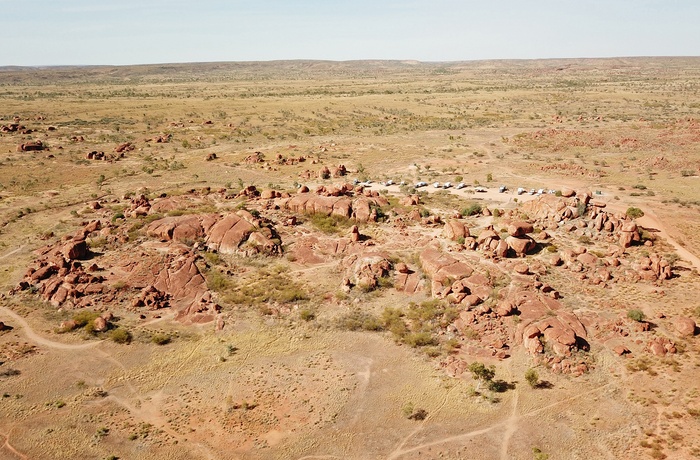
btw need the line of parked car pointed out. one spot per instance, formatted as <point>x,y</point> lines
<point>532,191</point>
<point>461,185</point>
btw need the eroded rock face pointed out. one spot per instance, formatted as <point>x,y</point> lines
<point>439,266</point>
<point>544,319</point>
<point>357,208</point>
<point>179,228</point>
<point>520,228</point>
<point>75,249</point>
<point>366,270</point>
<point>228,234</point>
<point>522,245</point>
<point>685,326</point>
<point>185,284</point>
<point>455,230</point>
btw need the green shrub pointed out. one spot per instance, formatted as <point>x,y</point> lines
<point>472,209</point>
<point>482,373</point>
<point>120,335</point>
<point>307,315</point>
<point>636,315</point>
<point>329,224</point>
<point>212,258</point>
<point>419,339</point>
<point>160,339</point>
<point>532,377</point>
<point>217,281</point>
<point>84,318</point>
<point>634,213</point>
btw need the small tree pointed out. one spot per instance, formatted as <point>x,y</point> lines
<point>532,377</point>
<point>636,315</point>
<point>482,373</point>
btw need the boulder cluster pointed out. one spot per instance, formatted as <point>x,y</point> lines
<point>31,146</point>
<point>344,201</point>
<point>58,273</point>
<point>101,156</point>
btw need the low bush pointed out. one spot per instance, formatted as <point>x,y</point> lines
<point>636,315</point>
<point>472,209</point>
<point>329,224</point>
<point>160,339</point>
<point>120,335</point>
<point>358,320</point>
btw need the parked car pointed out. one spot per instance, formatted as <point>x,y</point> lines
<point>447,185</point>
<point>420,184</point>
<point>502,189</point>
<point>460,186</point>
<point>436,185</point>
<point>540,191</point>
<point>480,189</point>
<point>390,182</point>
<point>521,190</point>
<point>532,191</point>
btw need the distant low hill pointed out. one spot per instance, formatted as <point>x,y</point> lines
<point>312,69</point>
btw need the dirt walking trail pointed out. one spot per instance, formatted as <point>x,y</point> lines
<point>33,336</point>
<point>510,424</point>
<point>13,252</point>
<point>7,446</point>
<point>651,221</point>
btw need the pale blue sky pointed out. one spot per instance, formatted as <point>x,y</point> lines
<point>61,32</point>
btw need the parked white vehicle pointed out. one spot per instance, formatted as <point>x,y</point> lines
<point>436,185</point>
<point>521,190</point>
<point>447,185</point>
<point>460,186</point>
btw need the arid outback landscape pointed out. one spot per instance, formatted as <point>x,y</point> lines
<point>232,261</point>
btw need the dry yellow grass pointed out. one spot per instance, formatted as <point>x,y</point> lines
<point>281,387</point>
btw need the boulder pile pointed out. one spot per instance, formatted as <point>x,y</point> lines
<point>31,146</point>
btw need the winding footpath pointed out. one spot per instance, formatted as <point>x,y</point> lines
<point>34,337</point>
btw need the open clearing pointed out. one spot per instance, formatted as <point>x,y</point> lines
<point>208,261</point>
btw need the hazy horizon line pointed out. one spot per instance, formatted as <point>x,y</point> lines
<point>340,61</point>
